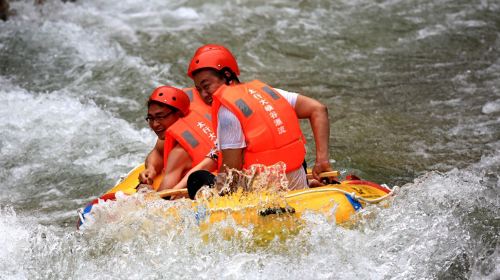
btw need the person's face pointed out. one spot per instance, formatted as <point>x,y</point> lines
<point>160,118</point>
<point>207,83</point>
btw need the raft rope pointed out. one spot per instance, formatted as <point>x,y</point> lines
<point>352,195</point>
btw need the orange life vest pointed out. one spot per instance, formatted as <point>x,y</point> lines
<point>197,102</point>
<point>269,123</point>
<point>193,132</point>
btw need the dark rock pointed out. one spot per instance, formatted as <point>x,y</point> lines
<point>4,10</point>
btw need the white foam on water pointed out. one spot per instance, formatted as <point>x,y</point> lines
<point>440,222</point>
<point>434,226</point>
<point>430,31</point>
<point>13,241</point>
<point>89,44</point>
<point>95,37</point>
<point>452,102</point>
<point>46,137</point>
<point>491,107</point>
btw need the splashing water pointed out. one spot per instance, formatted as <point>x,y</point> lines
<point>412,91</point>
<point>257,178</point>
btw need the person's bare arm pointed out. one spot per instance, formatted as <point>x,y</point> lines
<point>178,161</point>
<point>206,164</point>
<point>317,113</point>
<point>153,164</point>
<point>231,158</point>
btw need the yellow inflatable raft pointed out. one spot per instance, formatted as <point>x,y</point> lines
<point>269,213</point>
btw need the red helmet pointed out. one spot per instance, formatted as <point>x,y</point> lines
<point>212,56</point>
<point>172,97</point>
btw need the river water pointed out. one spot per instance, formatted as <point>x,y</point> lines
<point>413,91</point>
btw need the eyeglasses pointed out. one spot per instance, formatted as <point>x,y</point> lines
<point>151,119</point>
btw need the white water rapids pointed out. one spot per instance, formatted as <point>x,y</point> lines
<point>413,92</point>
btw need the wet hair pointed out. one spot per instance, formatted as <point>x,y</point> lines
<point>225,74</point>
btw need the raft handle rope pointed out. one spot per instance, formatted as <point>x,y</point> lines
<point>277,211</point>
<point>352,195</point>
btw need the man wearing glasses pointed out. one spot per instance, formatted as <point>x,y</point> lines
<point>184,133</point>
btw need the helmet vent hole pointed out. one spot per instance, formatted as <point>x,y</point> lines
<point>160,94</point>
<point>174,98</point>
<point>197,61</point>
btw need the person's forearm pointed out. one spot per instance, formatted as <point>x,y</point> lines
<point>205,164</point>
<point>321,130</point>
<point>154,161</point>
<point>170,180</point>
<point>231,158</point>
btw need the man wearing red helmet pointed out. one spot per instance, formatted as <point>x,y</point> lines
<point>256,123</point>
<point>184,135</point>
